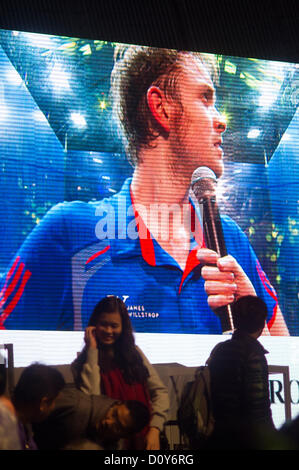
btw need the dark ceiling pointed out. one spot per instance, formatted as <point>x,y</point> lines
<point>252,93</point>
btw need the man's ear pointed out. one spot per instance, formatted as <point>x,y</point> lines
<point>43,403</point>
<point>158,106</point>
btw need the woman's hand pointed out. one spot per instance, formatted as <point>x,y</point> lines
<point>152,439</point>
<point>90,337</point>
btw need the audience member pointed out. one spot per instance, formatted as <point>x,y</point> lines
<point>79,419</point>
<point>9,436</point>
<point>239,382</point>
<point>34,397</point>
<point>111,364</point>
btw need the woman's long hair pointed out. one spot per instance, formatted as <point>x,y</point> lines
<point>126,355</point>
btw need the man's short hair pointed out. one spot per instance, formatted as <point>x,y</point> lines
<point>139,413</point>
<point>37,381</point>
<point>136,69</point>
<point>249,314</point>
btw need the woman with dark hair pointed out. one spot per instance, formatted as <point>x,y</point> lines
<point>111,364</point>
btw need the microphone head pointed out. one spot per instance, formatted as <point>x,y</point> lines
<point>203,183</point>
<point>202,172</point>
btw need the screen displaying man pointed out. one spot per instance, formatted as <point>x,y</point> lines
<point>144,244</point>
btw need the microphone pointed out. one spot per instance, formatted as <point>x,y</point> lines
<point>203,185</point>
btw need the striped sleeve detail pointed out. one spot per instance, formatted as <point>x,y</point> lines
<point>270,290</point>
<point>12,291</point>
<point>96,255</point>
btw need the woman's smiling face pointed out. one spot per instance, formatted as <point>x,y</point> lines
<point>109,328</point>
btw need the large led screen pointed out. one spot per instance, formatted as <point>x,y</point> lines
<point>98,145</point>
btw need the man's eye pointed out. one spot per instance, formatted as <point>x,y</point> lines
<point>207,97</point>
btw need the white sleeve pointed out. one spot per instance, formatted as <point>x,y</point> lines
<point>90,374</point>
<point>158,395</point>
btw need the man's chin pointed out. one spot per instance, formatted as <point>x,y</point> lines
<point>219,173</point>
<point>216,165</point>
<point>218,169</point>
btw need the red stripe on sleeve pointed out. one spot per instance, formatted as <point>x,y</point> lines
<point>7,311</point>
<point>268,287</point>
<point>12,285</point>
<point>9,274</point>
<point>270,290</point>
<point>97,254</point>
<point>272,320</point>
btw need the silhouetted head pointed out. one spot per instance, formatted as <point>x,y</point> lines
<point>35,393</point>
<point>249,314</point>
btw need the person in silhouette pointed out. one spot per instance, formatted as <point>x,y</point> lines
<point>239,381</point>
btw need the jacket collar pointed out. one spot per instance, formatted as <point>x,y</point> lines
<point>246,338</point>
<point>132,238</point>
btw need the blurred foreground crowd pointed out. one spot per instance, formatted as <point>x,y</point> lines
<point>117,401</point>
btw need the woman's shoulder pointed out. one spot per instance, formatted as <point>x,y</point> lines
<point>140,352</point>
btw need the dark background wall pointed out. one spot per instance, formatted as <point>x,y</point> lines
<point>266,29</point>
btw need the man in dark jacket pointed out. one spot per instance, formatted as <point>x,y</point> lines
<point>239,382</point>
<point>78,417</point>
